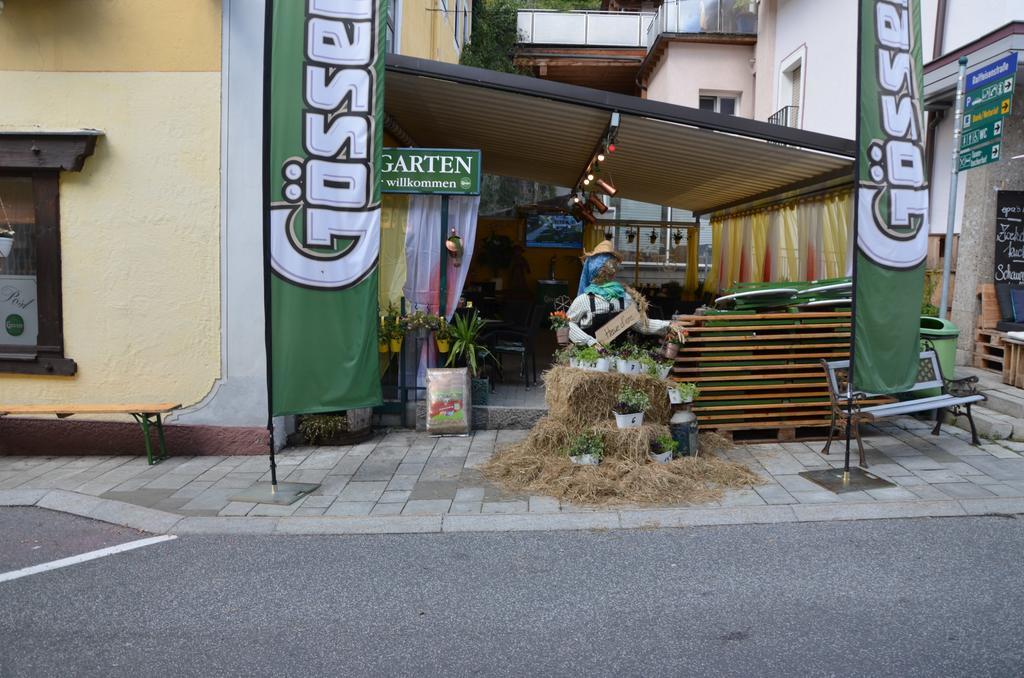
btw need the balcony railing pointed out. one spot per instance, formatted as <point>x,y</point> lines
<point>734,17</point>
<point>787,116</point>
<point>586,29</point>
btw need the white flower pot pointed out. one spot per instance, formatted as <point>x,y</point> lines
<point>630,366</point>
<point>6,243</point>
<point>634,420</point>
<point>687,401</point>
<point>585,460</point>
<point>673,396</point>
<point>663,370</point>
<point>600,366</point>
<point>663,458</point>
<point>574,362</point>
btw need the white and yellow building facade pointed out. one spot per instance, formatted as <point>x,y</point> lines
<point>131,150</point>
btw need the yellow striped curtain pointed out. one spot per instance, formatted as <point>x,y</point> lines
<point>806,240</point>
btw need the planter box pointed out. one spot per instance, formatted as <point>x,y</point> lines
<point>600,366</point>
<point>629,366</point>
<point>663,458</point>
<point>633,420</point>
<point>585,460</point>
<point>481,390</point>
<point>663,371</point>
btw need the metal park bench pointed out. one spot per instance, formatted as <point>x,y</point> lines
<point>146,414</point>
<point>957,395</point>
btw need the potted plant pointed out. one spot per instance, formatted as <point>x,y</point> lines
<point>687,391</point>
<point>628,359</point>
<point>586,449</point>
<point>663,448</point>
<point>656,365</point>
<point>592,358</point>
<point>467,351</point>
<point>443,335</point>
<point>6,241</point>
<point>419,322</point>
<point>560,324</point>
<point>673,341</point>
<point>629,411</point>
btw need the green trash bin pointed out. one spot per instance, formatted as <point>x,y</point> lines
<point>943,335</point>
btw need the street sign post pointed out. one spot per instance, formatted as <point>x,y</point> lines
<point>987,100</point>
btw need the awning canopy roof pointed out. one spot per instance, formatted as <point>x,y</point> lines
<point>665,154</point>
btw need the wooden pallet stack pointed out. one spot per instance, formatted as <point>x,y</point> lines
<point>760,375</point>
<point>988,349</point>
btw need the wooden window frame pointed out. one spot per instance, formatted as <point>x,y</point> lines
<point>41,156</point>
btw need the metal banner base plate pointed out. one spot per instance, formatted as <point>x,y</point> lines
<point>283,495</point>
<point>835,480</point>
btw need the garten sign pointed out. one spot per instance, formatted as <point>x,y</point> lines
<point>436,171</point>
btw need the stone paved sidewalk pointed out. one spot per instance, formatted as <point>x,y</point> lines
<point>403,473</point>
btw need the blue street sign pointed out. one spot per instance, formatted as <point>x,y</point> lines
<point>1004,68</point>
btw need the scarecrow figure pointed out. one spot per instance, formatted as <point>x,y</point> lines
<point>601,298</point>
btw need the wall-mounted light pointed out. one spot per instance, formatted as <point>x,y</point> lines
<point>607,187</point>
<point>588,216</point>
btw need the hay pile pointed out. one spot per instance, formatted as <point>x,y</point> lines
<point>580,400</point>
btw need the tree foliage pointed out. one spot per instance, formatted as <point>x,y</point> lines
<point>495,35</point>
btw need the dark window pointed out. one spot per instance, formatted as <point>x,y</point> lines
<point>32,335</point>
<point>31,313</point>
<point>727,105</point>
<point>707,103</point>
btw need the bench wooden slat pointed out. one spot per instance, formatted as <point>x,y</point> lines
<point>149,408</point>
<point>924,405</point>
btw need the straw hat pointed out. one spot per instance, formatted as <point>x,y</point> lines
<point>603,247</point>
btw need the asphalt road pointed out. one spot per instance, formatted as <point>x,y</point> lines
<point>938,597</point>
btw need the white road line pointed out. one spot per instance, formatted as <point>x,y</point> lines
<point>83,557</point>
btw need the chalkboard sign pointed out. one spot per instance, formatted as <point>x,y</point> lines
<point>1009,262</point>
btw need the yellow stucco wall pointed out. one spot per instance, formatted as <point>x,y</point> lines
<point>140,225</point>
<point>110,35</point>
<point>427,32</point>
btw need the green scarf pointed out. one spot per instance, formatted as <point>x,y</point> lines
<point>607,291</point>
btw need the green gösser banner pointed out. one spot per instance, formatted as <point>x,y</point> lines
<point>324,98</point>
<point>892,198</point>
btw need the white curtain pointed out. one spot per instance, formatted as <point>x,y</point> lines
<point>423,259</point>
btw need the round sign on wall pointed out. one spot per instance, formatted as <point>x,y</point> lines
<point>14,324</point>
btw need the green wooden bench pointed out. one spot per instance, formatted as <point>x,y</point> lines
<point>146,414</point>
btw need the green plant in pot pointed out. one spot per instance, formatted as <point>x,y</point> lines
<point>629,410</point>
<point>663,448</point>
<point>443,335</point>
<point>586,448</point>
<point>467,351</point>
<point>687,391</point>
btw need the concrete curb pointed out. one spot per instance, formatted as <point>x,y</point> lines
<point>162,522</point>
<point>87,506</point>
